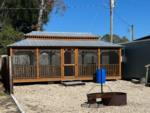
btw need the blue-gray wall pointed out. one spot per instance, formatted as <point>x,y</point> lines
<point>137,56</point>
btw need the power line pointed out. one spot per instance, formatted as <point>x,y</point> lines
<point>116,14</point>
<point>122,19</point>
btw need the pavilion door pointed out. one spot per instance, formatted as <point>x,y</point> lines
<point>69,62</point>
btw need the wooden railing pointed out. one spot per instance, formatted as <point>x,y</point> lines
<point>49,71</point>
<point>111,69</point>
<point>87,70</point>
<point>30,72</point>
<point>24,71</point>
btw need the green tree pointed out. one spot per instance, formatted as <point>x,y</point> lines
<point>116,38</point>
<point>23,16</point>
<point>125,39</point>
<point>8,36</point>
<point>27,15</point>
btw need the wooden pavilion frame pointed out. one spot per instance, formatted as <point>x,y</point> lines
<point>64,66</point>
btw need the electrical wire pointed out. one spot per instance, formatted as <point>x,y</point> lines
<point>121,19</point>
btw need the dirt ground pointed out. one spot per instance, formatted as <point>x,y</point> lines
<point>55,98</point>
<point>7,105</point>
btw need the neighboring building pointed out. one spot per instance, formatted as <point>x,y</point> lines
<point>137,55</point>
<point>45,56</point>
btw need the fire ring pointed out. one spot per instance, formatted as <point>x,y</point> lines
<point>108,98</point>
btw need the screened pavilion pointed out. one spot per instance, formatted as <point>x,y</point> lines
<point>46,56</point>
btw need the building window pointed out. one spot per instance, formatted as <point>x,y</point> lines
<point>109,57</point>
<point>24,58</point>
<point>87,56</point>
<point>50,57</point>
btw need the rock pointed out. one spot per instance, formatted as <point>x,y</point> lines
<point>136,81</point>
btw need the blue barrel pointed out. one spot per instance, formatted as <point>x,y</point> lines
<point>98,76</point>
<point>101,76</point>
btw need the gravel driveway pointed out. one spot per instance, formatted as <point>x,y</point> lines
<point>7,105</point>
<point>55,98</point>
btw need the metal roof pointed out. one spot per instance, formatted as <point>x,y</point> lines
<point>62,43</point>
<point>143,38</point>
<point>60,34</point>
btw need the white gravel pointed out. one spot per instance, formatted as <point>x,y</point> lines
<point>55,98</point>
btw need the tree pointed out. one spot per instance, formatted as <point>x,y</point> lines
<point>49,4</point>
<point>116,38</point>
<point>8,36</point>
<point>125,39</point>
<point>17,16</point>
<point>27,15</point>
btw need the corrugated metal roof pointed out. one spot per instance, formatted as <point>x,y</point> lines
<point>62,43</point>
<point>60,34</point>
<point>143,38</point>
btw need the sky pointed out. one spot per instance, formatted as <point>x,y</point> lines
<point>92,16</point>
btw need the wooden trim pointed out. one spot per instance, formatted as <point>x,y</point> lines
<point>23,49</point>
<point>36,80</point>
<point>50,79</point>
<point>62,37</point>
<point>76,62</point>
<point>60,79</point>
<point>99,58</point>
<point>113,78</point>
<point>11,52</point>
<point>62,62</point>
<point>69,77</point>
<point>69,65</point>
<point>120,55</point>
<point>37,63</point>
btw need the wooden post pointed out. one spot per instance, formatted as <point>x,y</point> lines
<point>10,76</point>
<point>37,63</point>
<point>10,71</point>
<point>120,67</point>
<point>11,52</point>
<point>76,63</point>
<point>62,63</point>
<point>99,58</point>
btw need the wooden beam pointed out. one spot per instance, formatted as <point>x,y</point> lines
<point>37,63</point>
<point>59,79</point>
<point>11,52</point>
<point>11,91</point>
<point>36,80</point>
<point>76,63</point>
<point>69,64</point>
<point>99,58</point>
<point>10,72</point>
<point>62,62</point>
<point>120,67</point>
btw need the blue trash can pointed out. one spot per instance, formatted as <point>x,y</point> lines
<point>101,76</point>
<point>98,76</point>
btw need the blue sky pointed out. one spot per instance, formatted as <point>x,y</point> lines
<point>93,16</point>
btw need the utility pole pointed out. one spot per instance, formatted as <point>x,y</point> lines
<point>132,32</point>
<point>112,3</point>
